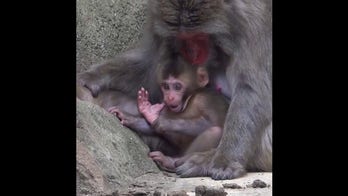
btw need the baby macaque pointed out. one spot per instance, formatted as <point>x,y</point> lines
<point>191,117</point>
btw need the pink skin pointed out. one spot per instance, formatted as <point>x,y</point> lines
<point>149,111</point>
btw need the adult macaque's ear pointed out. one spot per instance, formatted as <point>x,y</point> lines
<point>202,77</point>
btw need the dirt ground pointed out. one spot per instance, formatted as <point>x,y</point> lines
<point>250,184</point>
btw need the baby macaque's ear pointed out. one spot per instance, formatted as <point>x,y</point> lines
<point>202,77</point>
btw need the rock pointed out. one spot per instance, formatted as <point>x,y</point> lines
<point>105,28</point>
<point>139,193</point>
<point>209,191</point>
<point>231,186</point>
<point>258,184</point>
<point>109,157</point>
<point>157,193</point>
<point>177,193</point>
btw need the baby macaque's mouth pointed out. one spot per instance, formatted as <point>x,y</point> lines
<point>174,106</point>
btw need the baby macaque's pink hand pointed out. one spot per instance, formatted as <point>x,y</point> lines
<point>143,100</point>
<point>149,111</point>
<point>124,119</point>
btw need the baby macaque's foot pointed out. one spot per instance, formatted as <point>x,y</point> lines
<point>165,162</point>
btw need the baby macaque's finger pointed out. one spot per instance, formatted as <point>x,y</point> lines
<point>142,94</point>
<point>115,111</point>
<point>146,95</point>
<point>141,101</point>
<point>111,108</point>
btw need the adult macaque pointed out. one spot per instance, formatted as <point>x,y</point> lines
<point>229,37</point>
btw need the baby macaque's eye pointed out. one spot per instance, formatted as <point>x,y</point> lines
<point>177,86</point>
<point>165,86</point>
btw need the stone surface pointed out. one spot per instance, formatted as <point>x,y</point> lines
<point>245,182</point>
<point>109,156</point>
<point>105,28</point>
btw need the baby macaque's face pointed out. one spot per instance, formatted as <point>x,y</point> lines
<point>173,91</point>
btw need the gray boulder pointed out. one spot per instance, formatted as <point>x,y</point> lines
<point>109,157</point>
<point>105,28</point>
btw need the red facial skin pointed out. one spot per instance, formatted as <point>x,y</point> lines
<point>195,47</point>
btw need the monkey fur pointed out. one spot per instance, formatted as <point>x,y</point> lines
<point>232,38</point>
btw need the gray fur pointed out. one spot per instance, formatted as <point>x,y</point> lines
<point>242,32</point>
